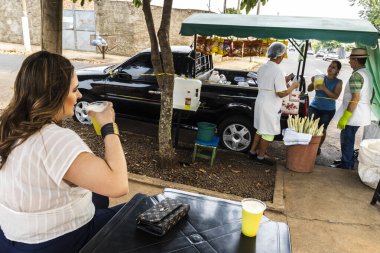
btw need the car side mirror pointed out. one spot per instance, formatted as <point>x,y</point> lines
<point>114,73</point>
<point>124,76</point>
<point>121,75</point>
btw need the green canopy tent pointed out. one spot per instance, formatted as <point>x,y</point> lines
<point>281,27</point>
<point>291,28</point>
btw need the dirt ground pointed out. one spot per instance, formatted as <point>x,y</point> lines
<point>232,173</point>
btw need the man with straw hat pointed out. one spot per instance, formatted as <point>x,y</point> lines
<point>356,107</point>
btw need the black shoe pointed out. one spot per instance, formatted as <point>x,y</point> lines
<point>252,156</point>
<point>264,161</point>
<point>356,154</point>
<point>337,161</point>
<point>336,165</point>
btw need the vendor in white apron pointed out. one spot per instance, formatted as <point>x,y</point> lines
<point>356,107</point>
<point>272,88</point>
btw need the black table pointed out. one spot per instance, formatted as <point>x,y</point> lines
<point>212,225</point>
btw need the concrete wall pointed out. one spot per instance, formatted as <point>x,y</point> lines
<point>113,17</point>
<point>10,21</point>
<point>127,23</point>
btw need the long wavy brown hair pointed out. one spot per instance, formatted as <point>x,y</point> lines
<point>40,90</point>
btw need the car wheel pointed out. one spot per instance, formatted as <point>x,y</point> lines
<point>80,113</point>
<point>236,133</point>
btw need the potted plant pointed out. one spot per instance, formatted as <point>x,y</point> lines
<point>302,153</point>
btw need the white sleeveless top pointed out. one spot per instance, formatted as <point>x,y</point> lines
<point>36,204</point>
<point>362,114</point>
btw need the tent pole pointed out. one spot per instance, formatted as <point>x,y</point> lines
<point>195,54</point>
<point>302,84</point>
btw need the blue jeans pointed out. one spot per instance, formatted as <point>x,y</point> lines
<point>324,116</point>
<point>71,242</point>
<point>347,142</point>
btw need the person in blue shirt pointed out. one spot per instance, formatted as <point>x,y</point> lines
<point>323,105</point>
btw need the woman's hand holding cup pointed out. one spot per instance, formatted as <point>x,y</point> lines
<point>318,81</point>
<point>101,113</point>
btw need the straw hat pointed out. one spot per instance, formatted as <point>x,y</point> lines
<point>359,53</point>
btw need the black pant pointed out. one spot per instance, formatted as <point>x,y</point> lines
<point>71,242</point>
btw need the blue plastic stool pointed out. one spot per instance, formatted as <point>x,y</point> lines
<point>211,145</point>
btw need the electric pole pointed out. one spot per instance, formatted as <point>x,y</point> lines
<point>258,7</point>
<point>25,27</point>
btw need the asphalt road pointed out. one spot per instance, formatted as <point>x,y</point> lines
<point>9,67</point>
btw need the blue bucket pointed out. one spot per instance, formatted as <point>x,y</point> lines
<point>206,131</point>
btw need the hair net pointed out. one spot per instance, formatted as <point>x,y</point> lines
<point>275,50</point>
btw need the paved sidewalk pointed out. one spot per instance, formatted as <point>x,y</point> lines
<point>82,56</point>
<point>329,211</point>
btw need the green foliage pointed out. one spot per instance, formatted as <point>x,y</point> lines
<point>331,44</point>
<point>137,3</point>
<point>248,5</point>
<point>371,11</point>
<point>349,47</point>
<point>81,2</point>
<point>231,11</point>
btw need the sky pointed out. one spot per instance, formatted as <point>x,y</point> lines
<point>311,8</point>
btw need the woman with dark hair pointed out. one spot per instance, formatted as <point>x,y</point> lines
<point>47,173</point>
<point>323,105</point>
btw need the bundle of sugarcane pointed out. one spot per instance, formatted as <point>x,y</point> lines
<point>305,125</point>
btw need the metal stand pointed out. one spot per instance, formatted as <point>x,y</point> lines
<point>179,113</point>
<point>376,195</point>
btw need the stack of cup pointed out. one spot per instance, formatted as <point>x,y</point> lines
<point>97,106</point>
<point>252,212</point>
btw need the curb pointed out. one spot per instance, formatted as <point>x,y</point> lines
<point>276,206</point>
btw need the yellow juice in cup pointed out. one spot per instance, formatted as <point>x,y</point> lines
<point>96,125</point>
<point>318,80</point>
<point>252,211</point>
<point>97,106</point>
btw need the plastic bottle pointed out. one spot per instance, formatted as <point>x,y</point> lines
<point>188,101</point>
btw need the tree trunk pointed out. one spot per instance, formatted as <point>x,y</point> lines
<point>165,82</point>
<point>51,25</point>
<point>166,116</point>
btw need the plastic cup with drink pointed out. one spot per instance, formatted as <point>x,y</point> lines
<point>97,106</point>
<point>252,212</point>
<point>318,80</point>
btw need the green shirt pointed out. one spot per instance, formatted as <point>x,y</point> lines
<point>356,82</point>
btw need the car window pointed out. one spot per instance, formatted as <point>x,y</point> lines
<point>182,64</point>
<point>140,68</point>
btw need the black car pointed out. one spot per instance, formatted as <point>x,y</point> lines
<point>135,94</point>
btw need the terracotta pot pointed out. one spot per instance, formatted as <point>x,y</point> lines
<point>301,158</point>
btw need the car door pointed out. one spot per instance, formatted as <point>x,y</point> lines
<point>133,89</point>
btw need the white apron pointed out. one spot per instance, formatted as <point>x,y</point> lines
<point>267,115</point>
<point>362,114</point>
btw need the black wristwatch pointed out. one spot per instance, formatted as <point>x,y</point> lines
<point>109,128</point>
